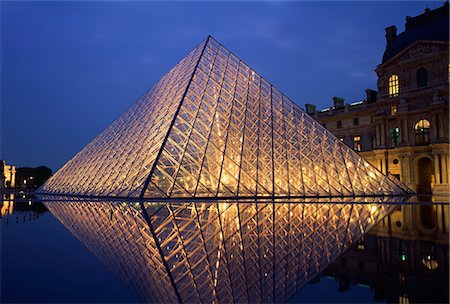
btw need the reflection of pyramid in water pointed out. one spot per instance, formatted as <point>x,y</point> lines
<point>223,252</point>
<point>213,127</point>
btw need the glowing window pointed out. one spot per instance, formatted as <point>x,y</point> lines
<point>393,110</point>
<point>393,86</point>
<point>357,143</point>
<point>422,130</point>
<point>422,77</point>
<point>361,244</point>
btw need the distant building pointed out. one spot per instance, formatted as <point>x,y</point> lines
<point>7,175</point>
<point>403,128</point>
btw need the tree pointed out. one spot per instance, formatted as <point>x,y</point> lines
<point>32,177</point>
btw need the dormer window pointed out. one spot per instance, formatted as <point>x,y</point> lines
<point>393,86</point>
<point>422,77</point>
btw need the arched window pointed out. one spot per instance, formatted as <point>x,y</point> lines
<point>393,86</point>
<point>422,130</point>
<point>422,77</point>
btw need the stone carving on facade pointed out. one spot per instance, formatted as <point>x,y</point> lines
<point>402,106</point>
<point>436,98</point>
<point>381,82</point>
<point>438,71</point>
<point>404,78</point>
<point>419,51</point>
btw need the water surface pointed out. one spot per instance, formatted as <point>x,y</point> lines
<point>404,258</point>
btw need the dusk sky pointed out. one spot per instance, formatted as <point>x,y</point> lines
<point>68,69</point>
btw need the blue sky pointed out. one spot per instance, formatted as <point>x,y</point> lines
<point>68,69</point>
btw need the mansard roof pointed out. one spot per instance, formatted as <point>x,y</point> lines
<point>432,25</point>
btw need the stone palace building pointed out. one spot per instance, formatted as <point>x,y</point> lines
<point>403,129</point>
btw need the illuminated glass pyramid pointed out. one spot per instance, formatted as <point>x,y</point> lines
<point>212,127</point>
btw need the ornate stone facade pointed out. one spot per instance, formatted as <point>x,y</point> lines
<point>7,175</point>
<point>404,130</point>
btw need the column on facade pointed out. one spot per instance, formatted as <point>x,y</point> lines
<point>405,168</point>
<point>403,176</point>
<point>441,126</point>
<point>434,127</point>
<point>386,162</point>
<point>383,136</point>
<point>444,167</point>
<point>405,131</point>
<point>380,163</point>
<point>377,135</point>
<point>437,179</point>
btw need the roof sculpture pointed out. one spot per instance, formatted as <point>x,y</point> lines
<point>207,252</point>
<point>213,127</point>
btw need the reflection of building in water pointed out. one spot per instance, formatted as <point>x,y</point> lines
<point>19,212</point>
<point>404,127</point>
<point>7,208</point>
<point>424,221</point>
<point>7,175</point>
<point>404,258</point>
<point>226,251</point>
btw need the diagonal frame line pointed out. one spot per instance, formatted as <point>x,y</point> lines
<point>147,181</point>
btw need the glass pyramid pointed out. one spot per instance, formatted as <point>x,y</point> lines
<point>251,251</point>
<point>213,127</point>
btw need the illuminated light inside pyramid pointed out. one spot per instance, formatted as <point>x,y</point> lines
<point>213,127</point>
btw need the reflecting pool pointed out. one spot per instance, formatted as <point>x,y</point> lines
<point>359,250</point>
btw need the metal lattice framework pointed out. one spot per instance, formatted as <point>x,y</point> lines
<point>223,251</point>
<point>212,127</point>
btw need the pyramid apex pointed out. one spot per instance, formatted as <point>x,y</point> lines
<point>209,37</point>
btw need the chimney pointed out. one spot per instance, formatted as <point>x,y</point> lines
<point>371,95</point>
<point>310,108</point>
<point>338,102</point>
<point>391,36</point>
